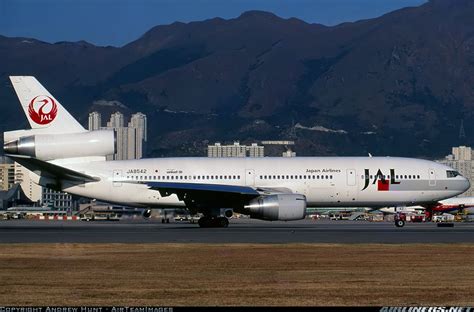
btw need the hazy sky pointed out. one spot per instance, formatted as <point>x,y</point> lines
<point>117,22</point>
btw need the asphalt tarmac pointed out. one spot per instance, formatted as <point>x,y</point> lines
<point>239,231</point>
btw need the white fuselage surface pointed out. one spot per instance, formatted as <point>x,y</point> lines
<point>325,181</point>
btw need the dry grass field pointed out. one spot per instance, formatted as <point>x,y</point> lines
<point>244,274</point>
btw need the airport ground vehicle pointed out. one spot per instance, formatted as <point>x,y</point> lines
<point>100,217</point>
<point>181,218</point>
<point>400,219</point>
<point>417,218</point>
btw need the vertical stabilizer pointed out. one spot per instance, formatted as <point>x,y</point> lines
<point>42,109</point>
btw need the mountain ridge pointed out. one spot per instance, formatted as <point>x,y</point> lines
<point>398,84</point>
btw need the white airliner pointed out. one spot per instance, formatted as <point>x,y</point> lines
<point>63,155</point>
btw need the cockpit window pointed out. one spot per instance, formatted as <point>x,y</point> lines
<point>452,173</point>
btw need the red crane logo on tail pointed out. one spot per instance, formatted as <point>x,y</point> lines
<point>42,109</point>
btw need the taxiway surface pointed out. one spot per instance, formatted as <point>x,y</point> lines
<point>239,231</point>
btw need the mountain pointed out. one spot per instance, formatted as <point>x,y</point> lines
<point>399,84</point>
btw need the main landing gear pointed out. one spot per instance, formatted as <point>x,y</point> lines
<point>206,222</point>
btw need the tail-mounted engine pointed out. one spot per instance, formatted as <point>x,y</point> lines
<point>59,146</point>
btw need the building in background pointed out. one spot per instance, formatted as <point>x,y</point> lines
<point>7,174</point>
<point>116,120</point>
<point>32,190</point>
<point>131,140</point>
<point>274,147</point>
<point>256,150</point>
<point>288,153</point>
<point>461,159</point>
<point>14,175</point>
<point>95,121</point>
<point>57,200</point>
<point>139,123</point>
<point>235,150</point>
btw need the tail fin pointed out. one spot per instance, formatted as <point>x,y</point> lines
<point>41,108</point>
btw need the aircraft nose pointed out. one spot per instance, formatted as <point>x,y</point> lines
<point>467,184</point>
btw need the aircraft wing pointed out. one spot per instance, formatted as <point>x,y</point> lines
<point>49,170</point>
<point>212,195</point>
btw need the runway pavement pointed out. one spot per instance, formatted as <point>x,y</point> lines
<point>239,231</point>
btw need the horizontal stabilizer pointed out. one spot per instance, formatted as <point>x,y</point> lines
<point>49,170</point>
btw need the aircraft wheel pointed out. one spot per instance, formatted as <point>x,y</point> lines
<point>399,223</point>
<point>222,222</point>
<point>204,222</point>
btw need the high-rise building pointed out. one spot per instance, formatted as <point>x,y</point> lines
<point>7,175</point>
<point>461,159</point>
<point>255,150</point>
<point>122,136</point>
<point>235,150</point>
<point>129,140</point>
<point>134,144</point>
<point>116,120</point>
<point>138,121</point>
<point>95,121</point>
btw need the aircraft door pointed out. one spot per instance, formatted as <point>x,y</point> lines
<point>351,177</point>
<point>432,178</point>
<point>351,180</point>
<point>250,177</point>
<point>117,178</point>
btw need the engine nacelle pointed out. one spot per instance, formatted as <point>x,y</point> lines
<point>58,146</point>
<point>283,207</point>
